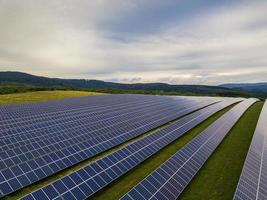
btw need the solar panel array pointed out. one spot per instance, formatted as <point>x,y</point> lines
<point>88,180</point>
<point>170,179</point>
<point>27,114</point>
<point>8,112</point>
<point>252,184</point>
<point>36,142</point>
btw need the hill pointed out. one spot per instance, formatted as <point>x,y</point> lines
<point>247,86</point>
<point>256,89</point>
<point>18,79</point>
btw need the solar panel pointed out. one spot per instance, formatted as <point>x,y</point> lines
<point>88,180</point>
<point>253,180</point>
<point>170,179</point>
<point>29,156</point>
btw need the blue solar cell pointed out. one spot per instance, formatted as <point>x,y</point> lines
<point>136,195</point>
<point>145,192</point>
<point>105,177</point>
<point>3,155</point>
<point>25,167</point>
<point>40,195</point>
<point>76,178</point>
<point>99,181</point>
<point>86,189</point>
<point>93,185</point>
<point>112,174</point>
<point>78,193</point>
<point>2,179</point>
<point>2,165</point>
<point>50,192</point>
<point>7,174</point>
<point>68,182</point>
<point>14,183</point>
<point>90,170</point>
<point>83,174</point>
<point>60,187</point>
<point>5,188</point>
<point>32,177</point>
<point>23,180</point>
<point>96,167</point>
<point>68,196</point>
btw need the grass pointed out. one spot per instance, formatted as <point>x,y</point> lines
<point>28,97</point>
<point>220,174</point>
<point>130,179</point>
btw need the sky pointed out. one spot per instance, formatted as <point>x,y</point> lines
<point>173,41</point>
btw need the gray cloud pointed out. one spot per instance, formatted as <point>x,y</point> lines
<point>208,42</point>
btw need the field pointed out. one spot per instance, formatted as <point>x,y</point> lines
<point>29,97</point>
<point>217,179</point>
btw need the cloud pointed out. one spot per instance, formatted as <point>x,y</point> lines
<point>207,42</point>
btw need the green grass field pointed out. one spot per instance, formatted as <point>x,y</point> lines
<point>42,96</point>
<point>216,180</point>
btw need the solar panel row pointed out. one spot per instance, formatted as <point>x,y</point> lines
<point>171,178</point>
<point>252,184</point>
<point>34,161</point>
<point>88,180</point>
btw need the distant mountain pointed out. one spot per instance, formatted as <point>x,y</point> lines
<point>19,78</point>
<point>262,86</point>
<point>256,89</point>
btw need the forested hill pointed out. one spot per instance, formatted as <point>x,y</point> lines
<point>255,89</point>
<point>14,79</point>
